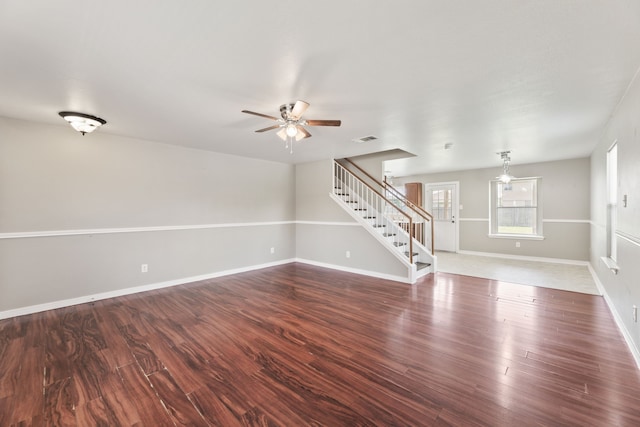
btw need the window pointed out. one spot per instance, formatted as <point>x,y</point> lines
<point>441,207</point>
<point>612,200</point>
<point>516,209</point>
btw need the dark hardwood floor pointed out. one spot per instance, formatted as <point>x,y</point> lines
<point>298,345</point>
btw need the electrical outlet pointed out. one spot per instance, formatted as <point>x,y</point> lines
<point>144,268</point>
<point>635,314</point>
<point>273,250</point>
<point>517,244</point>
<point>348,254</point>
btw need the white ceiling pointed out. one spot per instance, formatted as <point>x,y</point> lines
<point>538,77</point>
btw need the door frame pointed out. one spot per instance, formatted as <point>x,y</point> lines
<point>455,208</point>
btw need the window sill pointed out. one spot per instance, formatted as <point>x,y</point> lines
<point>516,236</point>
<point>611,264</point>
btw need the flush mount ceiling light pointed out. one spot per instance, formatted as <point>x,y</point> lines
<point>83,123</point>
<point>505,178</point>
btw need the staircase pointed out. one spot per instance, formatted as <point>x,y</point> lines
<point>389,219</point>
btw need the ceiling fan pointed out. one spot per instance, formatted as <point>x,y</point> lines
<point>291,122</point>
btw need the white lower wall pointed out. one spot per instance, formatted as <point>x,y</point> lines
<point>327,244</point>
<point>41,270</point>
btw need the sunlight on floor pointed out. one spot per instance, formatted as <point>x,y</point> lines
<point>568,277</point>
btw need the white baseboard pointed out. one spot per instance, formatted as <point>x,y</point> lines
<point>526,258</point>
<point>128,291</point>
<point>22,311</point>
<point>635,352</point>
<point>596,279</point>
<point>355,270</point>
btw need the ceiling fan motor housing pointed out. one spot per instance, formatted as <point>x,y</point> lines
<point>285,110</point>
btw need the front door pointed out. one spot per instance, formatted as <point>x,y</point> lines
<point>442,203</point>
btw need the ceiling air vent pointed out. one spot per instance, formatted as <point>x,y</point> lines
<point>365,139</point>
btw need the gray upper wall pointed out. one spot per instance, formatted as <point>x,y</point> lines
<point>314,182</point>
<point>565,207</point>
<point>623,289</point>
<point>53,178</point>
<point>565,187</point>
<point>54,181</point>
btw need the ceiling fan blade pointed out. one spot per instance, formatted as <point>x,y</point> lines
<point>323,122</point>
<point>298,110</point>
<point>282,133</point>
<point>260,114</point>
<point>269,128</point>
<point>302,133</point>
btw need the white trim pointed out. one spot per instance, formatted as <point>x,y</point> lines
<point>628,237</point>
<point>57,233</point>
<point>128,291</point>
<point>356,271</point>
<point>329,223</point>
<point>515,236</point>
<point>526,258</point>
<point>596,279</point>
<point>635,352</point>
<point>92,231</point>
<point>573,221</point>
<point>611,264</point>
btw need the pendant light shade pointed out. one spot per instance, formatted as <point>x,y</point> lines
<point>505,177</point>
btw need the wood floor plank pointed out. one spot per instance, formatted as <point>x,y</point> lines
<point>142,398</point>
<point>142,352</point>
<point>302,345</point>
<point>213,409</point>
<point>28,400</point>
<point>97,413</point>
<point>59,403</point>
<point>117,351</point>
<point>93,377</point>
<point>10,366</point>
<point>178,405</point>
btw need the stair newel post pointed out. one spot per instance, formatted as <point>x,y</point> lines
<point>433,247</point>
<point>410,240</point>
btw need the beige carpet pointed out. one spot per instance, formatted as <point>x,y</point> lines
<point>568,277</point>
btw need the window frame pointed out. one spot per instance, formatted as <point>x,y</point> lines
<point>493,213</point>
<point>612,201</point>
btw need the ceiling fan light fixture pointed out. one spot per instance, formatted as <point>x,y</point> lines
<point>292,130</point>
<point>83,123</point>
<point>291,127</point>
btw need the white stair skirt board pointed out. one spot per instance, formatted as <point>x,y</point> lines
<point>388,233</point>
<point>368,273</point>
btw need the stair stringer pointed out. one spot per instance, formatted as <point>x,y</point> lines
<point>353,198</point>
<point>412,272</point>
